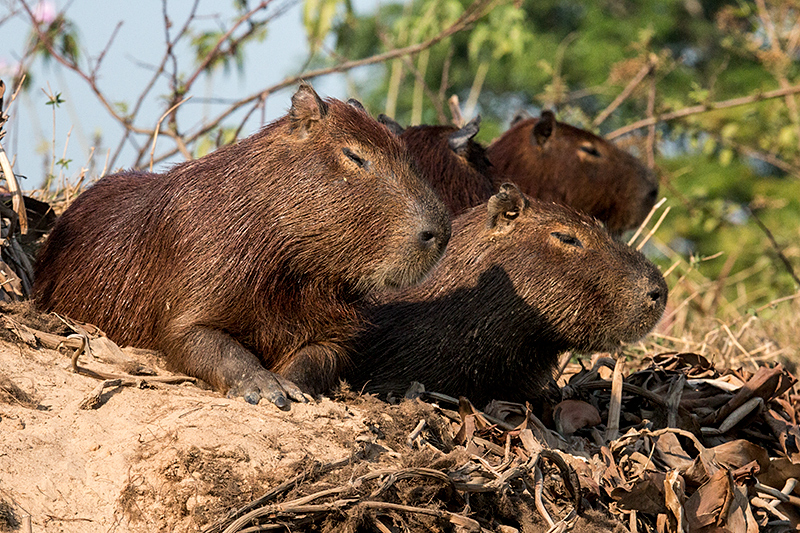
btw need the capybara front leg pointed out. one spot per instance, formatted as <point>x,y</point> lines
<point>315,367</point>
<point>216,357</point>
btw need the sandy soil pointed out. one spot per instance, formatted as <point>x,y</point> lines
<point>161,458</point>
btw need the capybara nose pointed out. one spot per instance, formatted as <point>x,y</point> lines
<point>655,294</point>
<point>433,237</point>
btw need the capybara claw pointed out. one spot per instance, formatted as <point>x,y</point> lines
<point>252,397</point>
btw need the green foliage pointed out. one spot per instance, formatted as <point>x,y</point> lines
<point>61,35</point>
<point>318,19</point>
<point>54,100</point>
<point>578,56</point>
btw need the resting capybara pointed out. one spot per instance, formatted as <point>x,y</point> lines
<point>557,162</point>
<point>454,165</point>
<point>521,282</point>
<point>248,267</point>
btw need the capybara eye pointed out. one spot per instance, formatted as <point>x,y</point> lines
<point>568,239</point>
<point>591,150</point>
<point>355,158</point>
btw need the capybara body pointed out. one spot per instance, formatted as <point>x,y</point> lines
<point>247,267</point>
<point>521,282</point>
<point>556,162</point>
<point>455,166</point>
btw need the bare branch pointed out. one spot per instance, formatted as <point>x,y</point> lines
<point>158,126</point>
<point>213,54</point>
<point>473,13</point>
<point>780,74</point>
<point>105,50</point>
<point>702,108</point>
<point>774,243</point>
<point>644,71</point>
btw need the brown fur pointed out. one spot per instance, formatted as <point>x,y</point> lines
<point>454,164</point>
<point>557,162</point>
<point>248,266</point>
<point>521,282</point>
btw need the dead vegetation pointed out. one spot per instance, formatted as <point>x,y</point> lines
<point>674,444</point>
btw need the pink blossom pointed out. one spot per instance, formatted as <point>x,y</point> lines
<point>8,69</point>
<point>45,12</point>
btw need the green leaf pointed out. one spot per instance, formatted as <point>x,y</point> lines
<point>725,157</point>
<point>318,18</point>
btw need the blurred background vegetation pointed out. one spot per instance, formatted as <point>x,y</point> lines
<point>730,244</point>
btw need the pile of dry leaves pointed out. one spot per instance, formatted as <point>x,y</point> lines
<point>677,446</point>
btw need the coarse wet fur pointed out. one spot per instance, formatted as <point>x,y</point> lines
<point>557,162</point>
<point>453,163</point>
<point>248,267</point>
<point>522,281</point>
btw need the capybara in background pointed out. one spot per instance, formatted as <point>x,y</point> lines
<point>454,164</point>
<point>248,267</point>
<point>522,281</point>
<point>557,162</point>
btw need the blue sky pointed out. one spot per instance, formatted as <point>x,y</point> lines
<point>124,72</point>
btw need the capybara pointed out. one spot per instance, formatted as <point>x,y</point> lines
<point>522,281</point>
<point>248,267</point>
<point>454,165</point>
<point>557,162</point>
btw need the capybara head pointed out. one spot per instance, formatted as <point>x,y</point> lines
<point>250,265</point>
<point>557,162</point>
<point>521,282</point>
<point>381,223</point>
<point>454,165</point>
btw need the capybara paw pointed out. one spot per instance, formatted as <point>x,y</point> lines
<point>271,387</point>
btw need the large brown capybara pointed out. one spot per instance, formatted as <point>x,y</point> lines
<point>522,281</point>
<point>557,162</point>
<point>248,267</point>
<point>453,163</point>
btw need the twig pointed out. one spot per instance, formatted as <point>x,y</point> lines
<point>158,126</point>
<point>646,220</point>
<point>213,53</point>
<point>473,13</point>
<point>538,485</point>
<point>615,405</point>
<point>126,380</point>
<point>17,202</point>
<point>316,470</point>
<point>626,92</point>
<point>774,243</point>
<point>702,108</point>
<point>455,111</point>
<point>654,229</point>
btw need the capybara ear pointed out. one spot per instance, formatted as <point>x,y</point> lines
<point>307,109</point>
<point>505,207</point>
<point>520,116</point>
<point>544,128</point>
<point>391,124</point>
<point>458,140</point>
<point>355,103</point>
